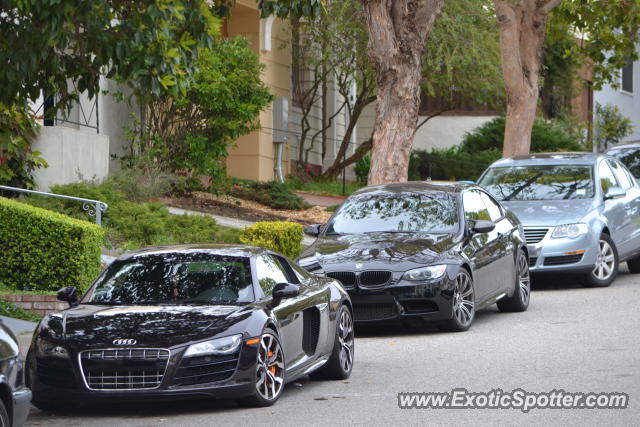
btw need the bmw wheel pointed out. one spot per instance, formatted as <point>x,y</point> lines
<point>463,304</point>
<point>519,301</point>
<point>270,371</point>
<point>606,268</point>
<point>340,363</point>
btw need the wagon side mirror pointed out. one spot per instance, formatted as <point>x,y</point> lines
<point>313,230</point>
<point>69,294</point>
<point>615,193</point>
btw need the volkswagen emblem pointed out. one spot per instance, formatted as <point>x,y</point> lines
<point>123,341</point>
<point>358,266</point>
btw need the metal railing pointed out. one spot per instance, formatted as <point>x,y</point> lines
<point>92,207</point>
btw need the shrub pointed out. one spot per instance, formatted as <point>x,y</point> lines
<point>545,136</point>
<point>273,194</point>
<point>46,250</point>
<point>450,164</point>
<point>282,236</point>
<point>362,169</point>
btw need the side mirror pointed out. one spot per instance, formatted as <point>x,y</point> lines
<point>284,290</point>
<point>69,294</point>
<point>614,193</point>
<point>313,230</point>
<point>483,226</point>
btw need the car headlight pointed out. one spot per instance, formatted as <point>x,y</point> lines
<point>45,348</point>
<point>570,230</point>
<point>426,273</point>
<point>217,347</point>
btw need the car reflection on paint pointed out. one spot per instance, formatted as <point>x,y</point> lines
<point>192,322</point>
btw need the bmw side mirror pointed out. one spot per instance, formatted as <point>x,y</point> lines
<point>483,226</point>
<point>614,193</point>
<point>282,291</point>
<point>313,230</point>
<point>69,294</point>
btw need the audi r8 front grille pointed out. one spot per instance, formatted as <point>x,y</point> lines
<point>205,369</point>
<point>124,368</point>
<point>347,278</point>
<point>534,235</point>
<point>562,259</point>
<point>374,278</point>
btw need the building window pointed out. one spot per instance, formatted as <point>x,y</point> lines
<point>627,77</point>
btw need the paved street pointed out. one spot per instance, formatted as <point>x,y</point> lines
<point>571,338</point>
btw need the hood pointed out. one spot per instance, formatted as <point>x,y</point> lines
<point>550,212</point>
<point>154,326</point>
<point>389,251</point>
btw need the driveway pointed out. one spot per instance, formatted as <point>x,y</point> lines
<point>571,338</point>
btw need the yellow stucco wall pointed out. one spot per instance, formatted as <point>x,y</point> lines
<point>253,156</point>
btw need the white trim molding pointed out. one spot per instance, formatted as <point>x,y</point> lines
<point>266,25</point>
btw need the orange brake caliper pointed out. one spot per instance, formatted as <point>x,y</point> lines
<point>272,369</point>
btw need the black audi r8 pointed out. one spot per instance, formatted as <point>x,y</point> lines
<point>192,321</point>
<point>423,250</point>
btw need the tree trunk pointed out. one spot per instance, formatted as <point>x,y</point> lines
<point>398,32</point>
<point>522,30</point>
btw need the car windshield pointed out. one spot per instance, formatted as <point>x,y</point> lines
<point>183,279</point>
<point>552,182</point>
<point>630,157</point>
<point>434,212</point>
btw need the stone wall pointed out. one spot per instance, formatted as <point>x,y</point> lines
<point>39,304</point>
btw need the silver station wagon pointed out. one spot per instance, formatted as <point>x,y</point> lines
<point>580,211</point>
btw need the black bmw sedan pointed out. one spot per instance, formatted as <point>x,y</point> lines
<point>423,250</point>
<point>189,322</point>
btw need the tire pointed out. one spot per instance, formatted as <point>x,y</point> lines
<point>463,304</point>
<point>340,363</point>
<point>606,269</point>
<point>270,372</point>
<point>519,301</point>
<point>634,265</point>
<point>5,421</point>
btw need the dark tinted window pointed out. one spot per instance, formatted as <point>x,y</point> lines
<point>607,178</point>
<point>623,179</point>
<point>630,157</point>
<point>627,77</point>
<point>181,279</point>
<point>553,182</point>
<point>494,209</point>
<point>433,212</point>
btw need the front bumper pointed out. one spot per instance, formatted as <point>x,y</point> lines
<point>564,254</point>
<point>56,380</point>
<point>404,300</point>
<point>21,406</point>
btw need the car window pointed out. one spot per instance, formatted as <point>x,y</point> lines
<point>301,274</point>
<point>269,272</point>
<point>495,212</point>
<point>607,178</point>
<point>474,207</point>
<point>630,157</point>
<point>621,175</point>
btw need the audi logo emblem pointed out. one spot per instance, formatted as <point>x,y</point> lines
<point>122,341</point>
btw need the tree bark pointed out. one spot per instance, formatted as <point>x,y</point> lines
<point>398,31</point>
<point>522,25</point>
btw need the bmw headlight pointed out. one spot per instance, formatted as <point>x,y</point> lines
<point>570,230</point>
<point>217,347</point>
<point>426,273</point>
<point>45,348</point>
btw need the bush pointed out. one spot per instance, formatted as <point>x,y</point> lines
<point>362,169</point>
<point>545,136</point>
<point>282,236</point>
<point>273,194</point>
<point>450,164</point>
<point>46,250</point>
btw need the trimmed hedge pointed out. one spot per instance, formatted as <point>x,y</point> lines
<point>282,236</point>
<point>45,250</point>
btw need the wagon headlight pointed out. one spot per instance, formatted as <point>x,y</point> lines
<point>45,348</point>
<point>426,273</point>
<point>218,346</point>
<point>570,230</point>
